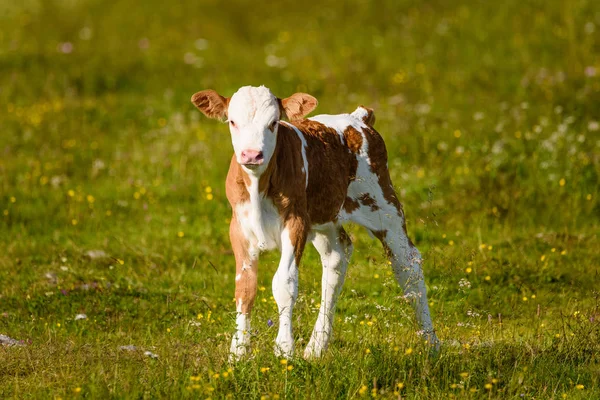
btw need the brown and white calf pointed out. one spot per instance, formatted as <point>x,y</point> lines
<point>290,182</point>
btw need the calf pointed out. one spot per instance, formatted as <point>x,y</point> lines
<point>290,182</point>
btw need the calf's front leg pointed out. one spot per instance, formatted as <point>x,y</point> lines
<point>246,261</point>
<point>285,282</point>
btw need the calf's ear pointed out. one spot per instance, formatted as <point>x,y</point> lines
<point>211,103</point>
<point>298,105</point>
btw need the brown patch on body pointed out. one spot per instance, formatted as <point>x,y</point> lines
<point>298,228</point>
<point>284,183</point>
<point>366,200</point>
<point>331,168</point>
<point>351,205</point>
<point>354,139</point>
<point>235,184</point>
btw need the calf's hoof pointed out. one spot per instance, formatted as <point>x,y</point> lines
<point>284,349</point>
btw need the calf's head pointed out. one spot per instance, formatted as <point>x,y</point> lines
<point>253,114</point>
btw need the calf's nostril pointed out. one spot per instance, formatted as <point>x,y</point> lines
<point>252,157</point>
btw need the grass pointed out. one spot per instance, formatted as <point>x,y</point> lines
<point>490,115</point>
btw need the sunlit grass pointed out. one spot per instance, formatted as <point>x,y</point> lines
<point>112,200</point>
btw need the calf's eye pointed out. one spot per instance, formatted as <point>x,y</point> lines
<point>272,126</point>
<point>232,123</point>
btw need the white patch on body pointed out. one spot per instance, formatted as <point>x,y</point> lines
<point>260,221</point>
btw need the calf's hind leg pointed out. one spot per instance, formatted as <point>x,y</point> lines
<point>386,221</point>
<point>334,246</point>
<point>406,262</point>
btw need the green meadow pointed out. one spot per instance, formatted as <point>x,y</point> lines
<point>116,273</point>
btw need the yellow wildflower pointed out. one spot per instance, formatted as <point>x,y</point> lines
<point>362,389</point>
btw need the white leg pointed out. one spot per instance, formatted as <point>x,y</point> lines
<point>334,247</point>
<point>285,292</point>
<point>386,222</point>
<point>241,339</point>
<point>406,262</point>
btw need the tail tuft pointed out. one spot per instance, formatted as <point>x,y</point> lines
<point>365,114</point>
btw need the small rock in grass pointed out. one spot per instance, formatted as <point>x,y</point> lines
<point>96,254</point>
<point>129,347</point>
<point>80,316</point>
<point>51,276</point>
<point>150,354</point>
<point>7,341</point>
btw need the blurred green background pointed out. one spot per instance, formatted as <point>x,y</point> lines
<point>490,114</point>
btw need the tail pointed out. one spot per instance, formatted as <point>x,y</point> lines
<point>365,114</point>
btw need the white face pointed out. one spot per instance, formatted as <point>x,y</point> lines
<point>253,117</point>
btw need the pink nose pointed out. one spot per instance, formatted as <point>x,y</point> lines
<point>252,157</point>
